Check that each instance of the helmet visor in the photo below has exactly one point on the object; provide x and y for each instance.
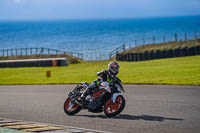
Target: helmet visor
(114, 68)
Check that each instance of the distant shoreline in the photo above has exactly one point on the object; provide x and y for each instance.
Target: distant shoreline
(90, 19)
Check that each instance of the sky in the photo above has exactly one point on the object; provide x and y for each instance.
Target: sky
(93, 9)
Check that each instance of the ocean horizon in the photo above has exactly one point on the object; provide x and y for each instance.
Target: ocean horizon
(95, 35)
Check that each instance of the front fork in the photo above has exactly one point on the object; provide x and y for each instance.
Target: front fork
(74, 98)
(114, 97)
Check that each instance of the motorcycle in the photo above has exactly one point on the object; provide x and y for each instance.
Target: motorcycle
(104, 98)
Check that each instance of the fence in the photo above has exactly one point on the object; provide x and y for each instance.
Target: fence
(164, 39)
(47, 51)
(154, 40)
(98, 56)
(36, 51)
(117, 50)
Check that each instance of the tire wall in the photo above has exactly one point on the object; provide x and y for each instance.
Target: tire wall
(158, 54)
(34, 63)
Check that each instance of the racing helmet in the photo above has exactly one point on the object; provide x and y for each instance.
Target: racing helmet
(113, 67)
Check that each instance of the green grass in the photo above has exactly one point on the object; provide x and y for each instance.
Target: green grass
(182, 71)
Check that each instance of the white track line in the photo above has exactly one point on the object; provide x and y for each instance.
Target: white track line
(70, 127)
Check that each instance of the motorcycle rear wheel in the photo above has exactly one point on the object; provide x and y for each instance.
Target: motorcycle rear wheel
(71, 108)
(113, 109)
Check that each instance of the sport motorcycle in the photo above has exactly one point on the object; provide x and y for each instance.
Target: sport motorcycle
(105, 98)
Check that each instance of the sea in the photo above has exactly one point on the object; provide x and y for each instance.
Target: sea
(95, 36)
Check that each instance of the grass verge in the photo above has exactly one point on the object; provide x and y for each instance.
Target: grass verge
(181, 71)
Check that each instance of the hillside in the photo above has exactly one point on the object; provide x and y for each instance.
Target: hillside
(164, 46)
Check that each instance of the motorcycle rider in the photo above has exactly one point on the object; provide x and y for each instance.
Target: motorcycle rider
(105, 75)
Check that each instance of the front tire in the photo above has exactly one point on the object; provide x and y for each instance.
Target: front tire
(71, 108)
(113, 109)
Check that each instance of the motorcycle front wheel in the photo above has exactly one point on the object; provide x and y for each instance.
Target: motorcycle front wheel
(113, 109)
(71, 108)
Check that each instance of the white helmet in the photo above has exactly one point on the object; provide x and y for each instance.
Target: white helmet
(113, 67)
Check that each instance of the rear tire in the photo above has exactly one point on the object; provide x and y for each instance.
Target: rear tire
(117, 107)
(75, 108)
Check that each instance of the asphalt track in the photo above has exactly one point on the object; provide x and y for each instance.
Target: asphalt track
(149, 108)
